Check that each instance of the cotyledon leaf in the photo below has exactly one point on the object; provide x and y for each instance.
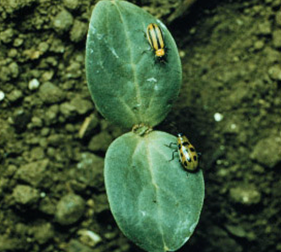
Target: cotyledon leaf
(127, 83)
(156, 203)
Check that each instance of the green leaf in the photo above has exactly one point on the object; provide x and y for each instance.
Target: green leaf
(127, 83)
(156, 203)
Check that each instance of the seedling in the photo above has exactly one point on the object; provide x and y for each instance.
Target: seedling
(153, 201)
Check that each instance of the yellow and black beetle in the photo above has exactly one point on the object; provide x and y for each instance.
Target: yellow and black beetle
(156, 40)
(188, 156)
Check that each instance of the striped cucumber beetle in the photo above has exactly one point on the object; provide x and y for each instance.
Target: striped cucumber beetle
(155, 38)
(188, 156)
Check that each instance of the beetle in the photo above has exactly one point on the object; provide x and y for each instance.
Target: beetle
(188, 156)
(155, 38)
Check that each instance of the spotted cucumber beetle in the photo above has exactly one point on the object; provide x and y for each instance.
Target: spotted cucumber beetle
(155, 38)
(188, 156)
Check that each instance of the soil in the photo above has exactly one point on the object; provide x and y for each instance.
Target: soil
(51, 136)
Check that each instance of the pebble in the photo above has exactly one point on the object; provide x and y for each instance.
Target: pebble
(275, 72)
(78, 31)
(51, 115)
(258, 169)
(182, 54)
(67, 110)
(33, 84)
(258, 45)
(62, 21)
(55, 139)
(37, 153)
(15, 95)
(110, 235)
(218, 117)
(12, 53)
(89, 237)
(89, 170)
(47, 206)
(14, 70)
(32, 173)
(70, 128)
(267, 151)
(82, 106)
(276, 38)
(5, 74)
(47, 75)
(51, 152)
(57, 46)
(37, 122)
(236, 231)
(10, 171)
(71, 4)
(70, 209)
(25, 195)
(7, 36)
(73, 71)
(2, 95)
(50, 93)
(45, 131)
(246, 195)
(43, 232)
(264, 28)
(43, 47)
(18, 42)
(100, 142)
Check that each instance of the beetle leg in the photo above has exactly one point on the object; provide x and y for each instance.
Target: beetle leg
(173, 155)
(170, 145)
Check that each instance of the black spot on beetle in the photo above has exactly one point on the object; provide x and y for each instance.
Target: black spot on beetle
(185, 163)
(181, 154)
(179, 146)
(185, 143)
(194, 158)
(192, 149)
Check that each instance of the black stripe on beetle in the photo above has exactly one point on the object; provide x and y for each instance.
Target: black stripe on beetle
(156, 40)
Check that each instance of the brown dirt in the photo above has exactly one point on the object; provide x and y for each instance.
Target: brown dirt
(229, 107)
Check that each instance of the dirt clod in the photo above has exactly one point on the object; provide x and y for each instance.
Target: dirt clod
(62, 21)
(229, 107)
(70, 209)
(25, 195)
(245, 195)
